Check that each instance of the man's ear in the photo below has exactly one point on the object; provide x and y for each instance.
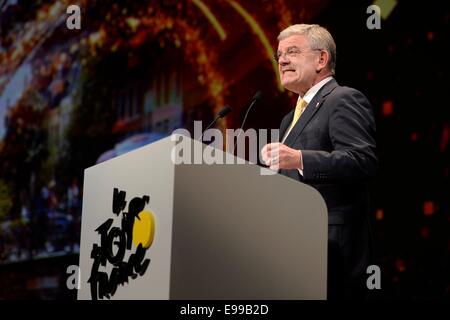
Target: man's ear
(323, 60)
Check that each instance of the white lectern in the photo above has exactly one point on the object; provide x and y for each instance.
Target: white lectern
(220, 231)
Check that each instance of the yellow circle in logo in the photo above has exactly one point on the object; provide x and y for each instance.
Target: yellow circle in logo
(144, 229)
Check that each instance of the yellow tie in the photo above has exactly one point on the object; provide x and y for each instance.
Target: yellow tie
(299, 108)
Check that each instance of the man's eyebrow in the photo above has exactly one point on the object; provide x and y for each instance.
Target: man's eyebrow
(289, 48)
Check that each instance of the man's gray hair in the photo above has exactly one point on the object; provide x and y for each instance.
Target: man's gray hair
(318, 38)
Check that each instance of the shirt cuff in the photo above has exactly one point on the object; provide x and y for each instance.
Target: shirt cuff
(301, 163)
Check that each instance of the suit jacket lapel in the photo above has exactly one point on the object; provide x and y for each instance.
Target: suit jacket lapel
(310, 110)
(285, 124)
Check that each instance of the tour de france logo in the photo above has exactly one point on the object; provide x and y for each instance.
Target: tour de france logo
(137, 230)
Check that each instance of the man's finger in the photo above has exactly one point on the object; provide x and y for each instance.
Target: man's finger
(273, 149)
(264, 149)
(264, 153)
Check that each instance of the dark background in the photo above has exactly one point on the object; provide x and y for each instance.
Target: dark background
(139, 69)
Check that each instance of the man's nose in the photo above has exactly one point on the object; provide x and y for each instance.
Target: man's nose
(283, 60)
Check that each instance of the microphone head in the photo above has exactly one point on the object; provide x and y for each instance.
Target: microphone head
(225, 110)
(257, 96)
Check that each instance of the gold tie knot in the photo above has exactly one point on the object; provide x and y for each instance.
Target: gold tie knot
(299, 108)
(301, 105)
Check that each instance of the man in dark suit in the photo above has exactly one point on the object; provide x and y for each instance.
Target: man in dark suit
(328, 142)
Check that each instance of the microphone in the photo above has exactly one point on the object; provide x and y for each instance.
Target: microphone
(255, 98)
(222, 113)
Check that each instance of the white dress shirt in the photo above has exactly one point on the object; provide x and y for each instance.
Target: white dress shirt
(309, 95)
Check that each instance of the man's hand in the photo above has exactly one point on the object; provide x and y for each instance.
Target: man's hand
(279, 156)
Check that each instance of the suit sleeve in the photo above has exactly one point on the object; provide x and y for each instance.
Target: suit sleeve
(352, 134)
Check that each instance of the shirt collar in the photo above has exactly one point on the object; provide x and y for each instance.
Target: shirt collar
(309, 95)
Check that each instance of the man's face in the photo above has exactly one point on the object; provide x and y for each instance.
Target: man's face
(297, 63)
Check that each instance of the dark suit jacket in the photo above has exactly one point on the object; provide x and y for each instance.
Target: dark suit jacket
(336, 134)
